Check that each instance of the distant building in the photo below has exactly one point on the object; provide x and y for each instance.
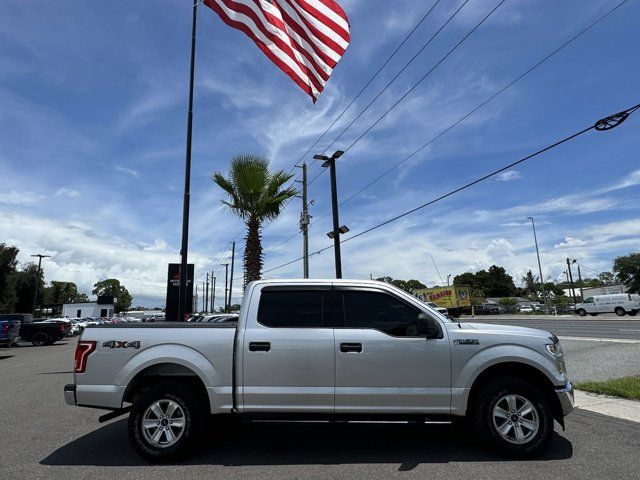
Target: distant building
(591, 291)
(103, 307)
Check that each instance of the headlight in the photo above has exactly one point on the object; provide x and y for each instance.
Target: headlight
(556, 351)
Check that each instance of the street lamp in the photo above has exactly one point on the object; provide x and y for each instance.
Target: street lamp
(330, 162)
(35, 295)
(448, 277)
(535, 239)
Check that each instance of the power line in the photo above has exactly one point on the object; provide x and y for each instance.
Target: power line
(482, 104)
(415, 85)
(451, 17)
(375, 75)
(604, 124)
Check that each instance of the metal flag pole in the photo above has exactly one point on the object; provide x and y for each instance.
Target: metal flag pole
(182, 307)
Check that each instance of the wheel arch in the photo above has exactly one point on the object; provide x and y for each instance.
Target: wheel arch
(522, 371)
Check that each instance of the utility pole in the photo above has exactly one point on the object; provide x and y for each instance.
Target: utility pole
(573, 289)
(213, 295)
(182, 304)
(195, 303)
(35, 294)
(203, 302)
(330, 162)
(448, 277)
(206, 296)
(535, 239)
(580, 280)
(304, 223)
(233, 257)
(226, 275)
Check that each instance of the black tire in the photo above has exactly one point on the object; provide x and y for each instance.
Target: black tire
(485, 425)
(593, 314)
(582, 312)
(633, 313)
(193, 419)
(620, 311)
(40, 338)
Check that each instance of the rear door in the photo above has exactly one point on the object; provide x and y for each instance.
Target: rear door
(288, 352)
(384, 363)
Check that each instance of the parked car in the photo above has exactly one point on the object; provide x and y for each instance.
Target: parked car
(10, 329)
(526, 309)
(438, 309)
(619, 303)
(38, 332)
(71, 328)
(487, 309)
(330, 348)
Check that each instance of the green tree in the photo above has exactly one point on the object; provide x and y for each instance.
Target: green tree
(63, 292)
(627, 270)
(112, 286)
(529, 282)
(255, 195)
(406, 285)
(23, 284)
(492, 283)
(609, 278)
(8, 263)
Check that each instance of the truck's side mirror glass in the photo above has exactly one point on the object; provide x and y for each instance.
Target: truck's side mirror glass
(428, 326)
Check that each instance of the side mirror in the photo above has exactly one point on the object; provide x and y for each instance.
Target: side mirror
(428, 326)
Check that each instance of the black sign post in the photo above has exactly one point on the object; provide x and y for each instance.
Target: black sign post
(172, 311)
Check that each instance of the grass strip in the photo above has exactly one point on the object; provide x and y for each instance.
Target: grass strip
(627, 387)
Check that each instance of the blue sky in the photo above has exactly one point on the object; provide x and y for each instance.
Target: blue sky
(92, 135)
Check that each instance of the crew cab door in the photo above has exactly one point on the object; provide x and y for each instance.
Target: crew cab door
(384, 363)
(288, 353)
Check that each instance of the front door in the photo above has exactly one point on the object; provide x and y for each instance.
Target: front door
(288, 358)
(383, 361)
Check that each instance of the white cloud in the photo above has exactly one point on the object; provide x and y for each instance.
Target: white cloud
(66, 192)
(20, 198)
(128, 171)
(570, 242)
(508, 176)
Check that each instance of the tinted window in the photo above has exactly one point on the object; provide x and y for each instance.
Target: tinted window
(291, 308)
(380, 311)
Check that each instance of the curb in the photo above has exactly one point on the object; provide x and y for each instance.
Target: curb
(608, 405)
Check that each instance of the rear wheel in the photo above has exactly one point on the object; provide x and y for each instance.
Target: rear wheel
(513, 416)
(620, 311)
(633, 313)
(593, 314)
(164, 421)
(40, 338)
(582, 312)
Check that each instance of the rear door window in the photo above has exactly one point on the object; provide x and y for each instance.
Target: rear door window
(292, 308)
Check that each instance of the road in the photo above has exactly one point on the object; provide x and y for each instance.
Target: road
(43, 438)
(602, 326)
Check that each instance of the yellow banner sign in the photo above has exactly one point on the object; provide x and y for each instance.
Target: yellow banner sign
(448, 297)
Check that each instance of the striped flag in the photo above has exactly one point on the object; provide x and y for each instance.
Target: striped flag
(304, 38)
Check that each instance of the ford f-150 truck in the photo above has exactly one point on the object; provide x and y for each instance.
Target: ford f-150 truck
(329, 349)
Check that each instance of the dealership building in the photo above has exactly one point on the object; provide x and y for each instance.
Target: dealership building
(103, 307)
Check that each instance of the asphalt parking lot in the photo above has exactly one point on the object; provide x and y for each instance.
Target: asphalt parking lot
(45, 438)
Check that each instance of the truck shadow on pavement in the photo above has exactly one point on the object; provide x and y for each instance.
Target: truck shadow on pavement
(250, 444)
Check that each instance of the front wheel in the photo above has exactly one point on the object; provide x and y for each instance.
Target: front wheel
(620, 311)
(164, 422)
(513, 417)
(582, 312)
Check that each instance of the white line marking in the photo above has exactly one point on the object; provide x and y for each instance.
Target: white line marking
(628, 330)
(610, 340)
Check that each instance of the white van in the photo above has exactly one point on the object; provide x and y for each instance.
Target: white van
(619, 303)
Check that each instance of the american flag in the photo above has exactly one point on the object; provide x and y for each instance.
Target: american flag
(304, 38)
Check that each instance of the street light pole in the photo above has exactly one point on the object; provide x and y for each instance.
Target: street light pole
(206, 296)
(233, 259)
(304, 224)
(337, 230)
(226, 276)
(535, 239)
(573, 289)
(448, 277)
(213, 295)
(35, 295)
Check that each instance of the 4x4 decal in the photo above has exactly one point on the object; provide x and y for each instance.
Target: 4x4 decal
(121, 344)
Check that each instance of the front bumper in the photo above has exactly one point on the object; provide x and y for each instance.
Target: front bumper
(566, 398)
(70, 394)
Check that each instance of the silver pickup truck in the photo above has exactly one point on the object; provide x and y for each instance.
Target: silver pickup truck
(324, 349)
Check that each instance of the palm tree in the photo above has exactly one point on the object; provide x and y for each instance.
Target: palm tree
(254, 194)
